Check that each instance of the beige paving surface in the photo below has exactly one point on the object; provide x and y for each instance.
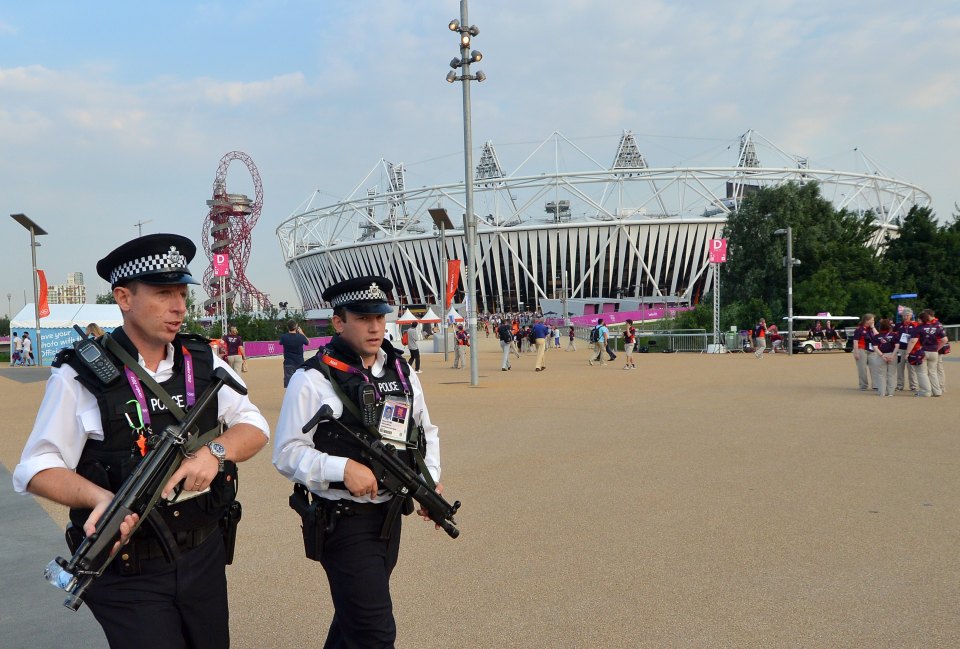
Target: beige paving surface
(699, 501)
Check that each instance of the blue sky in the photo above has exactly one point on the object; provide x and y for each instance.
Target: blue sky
(117, 112)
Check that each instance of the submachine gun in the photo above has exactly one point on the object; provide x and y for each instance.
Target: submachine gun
(137, 495)
(394, 474)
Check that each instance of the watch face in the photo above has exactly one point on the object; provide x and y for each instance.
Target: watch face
(218, 449)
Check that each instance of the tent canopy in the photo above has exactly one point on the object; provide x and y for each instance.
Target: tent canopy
(453, 316)
(429, 316)
(407, 317)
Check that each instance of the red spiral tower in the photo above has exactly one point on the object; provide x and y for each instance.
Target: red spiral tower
(228, 228)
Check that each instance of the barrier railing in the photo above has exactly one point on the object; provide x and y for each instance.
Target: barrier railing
(677, 340)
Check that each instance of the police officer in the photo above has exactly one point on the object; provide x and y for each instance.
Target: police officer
(359, 366)
(88, 437)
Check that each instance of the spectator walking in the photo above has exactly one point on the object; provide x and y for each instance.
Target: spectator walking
(556, 337)
(17, 350)
(629, 341)
(572, 335)
(601, 343)
(413, 344)
(539, 333)
(27, 351)
(505, 334)
(293, 343)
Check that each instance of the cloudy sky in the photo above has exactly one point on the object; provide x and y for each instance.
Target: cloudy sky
(114, 113)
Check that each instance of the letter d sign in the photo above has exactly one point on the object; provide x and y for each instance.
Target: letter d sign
(718, 251)
(221, 264)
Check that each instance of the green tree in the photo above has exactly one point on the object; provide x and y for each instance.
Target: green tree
(923, 259)
(106, 298)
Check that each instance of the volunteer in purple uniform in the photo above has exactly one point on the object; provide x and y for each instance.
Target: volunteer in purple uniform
(860, 351)
(883, 358)
(903, 366)
(234, 357)
(931, 337)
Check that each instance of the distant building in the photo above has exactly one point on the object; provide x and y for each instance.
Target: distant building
(73, 292)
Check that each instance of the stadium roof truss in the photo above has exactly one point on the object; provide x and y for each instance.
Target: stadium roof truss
(624, 230)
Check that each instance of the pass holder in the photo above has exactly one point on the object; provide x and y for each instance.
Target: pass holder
(393, 421)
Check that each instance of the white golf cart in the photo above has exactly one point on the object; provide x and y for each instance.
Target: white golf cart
(805, 343)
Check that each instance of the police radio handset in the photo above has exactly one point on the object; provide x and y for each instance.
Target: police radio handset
(368, 404)
(92, 355)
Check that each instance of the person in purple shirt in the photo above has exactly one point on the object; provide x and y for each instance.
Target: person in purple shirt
(293, 343)
(883, 358)
(930, 335)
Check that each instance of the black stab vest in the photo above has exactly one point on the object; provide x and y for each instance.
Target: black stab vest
(108, 462)
(328, 437)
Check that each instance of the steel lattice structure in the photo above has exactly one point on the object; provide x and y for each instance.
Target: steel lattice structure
(626, 230)
(228, 228)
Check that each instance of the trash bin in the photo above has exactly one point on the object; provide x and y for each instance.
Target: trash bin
(438, 341)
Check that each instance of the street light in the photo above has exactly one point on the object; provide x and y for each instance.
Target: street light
(789, 262)
(470, 218)
(35, 230)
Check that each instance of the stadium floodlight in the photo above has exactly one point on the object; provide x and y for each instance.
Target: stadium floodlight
(469, 217)
(480, 76)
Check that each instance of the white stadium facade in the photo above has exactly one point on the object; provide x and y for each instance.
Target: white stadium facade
(627, 230)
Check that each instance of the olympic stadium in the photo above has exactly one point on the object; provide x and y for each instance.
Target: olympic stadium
(622, 230)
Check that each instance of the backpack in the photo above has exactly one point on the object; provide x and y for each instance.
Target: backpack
(505, 334)
(595, 334)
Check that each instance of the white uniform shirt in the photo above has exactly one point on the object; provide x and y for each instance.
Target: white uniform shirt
(294, 454)
(69, 416)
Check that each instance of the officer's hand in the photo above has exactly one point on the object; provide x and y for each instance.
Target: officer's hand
(423, 513)
(196, 472)
(127, 526)
(360, 479)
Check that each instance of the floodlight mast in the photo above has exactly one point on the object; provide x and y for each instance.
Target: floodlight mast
(469, 218)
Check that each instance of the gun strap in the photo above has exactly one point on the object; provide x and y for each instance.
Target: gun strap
(195, 441)
(353, 410)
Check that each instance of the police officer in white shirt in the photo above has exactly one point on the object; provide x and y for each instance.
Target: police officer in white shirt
(362, 539)
(89, 436)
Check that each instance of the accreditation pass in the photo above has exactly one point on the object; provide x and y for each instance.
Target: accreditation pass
(393, 422)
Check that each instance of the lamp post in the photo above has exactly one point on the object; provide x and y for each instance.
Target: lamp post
(470, 218)
(789, 262)
(35, 230)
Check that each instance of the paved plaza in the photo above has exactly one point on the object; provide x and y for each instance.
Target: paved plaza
(698, 501)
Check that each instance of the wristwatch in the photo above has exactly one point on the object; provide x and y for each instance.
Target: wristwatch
(219, 452)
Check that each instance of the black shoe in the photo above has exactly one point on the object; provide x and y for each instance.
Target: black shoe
(503, 369)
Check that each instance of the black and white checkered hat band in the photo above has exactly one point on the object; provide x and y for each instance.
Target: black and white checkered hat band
(169, 262)
(371, 294)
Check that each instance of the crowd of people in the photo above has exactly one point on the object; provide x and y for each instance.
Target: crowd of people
(21, 352)
(901, 356)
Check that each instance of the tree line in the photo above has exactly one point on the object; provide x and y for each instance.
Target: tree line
(848, 264)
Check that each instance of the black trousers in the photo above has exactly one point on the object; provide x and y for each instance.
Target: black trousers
(415, 359)
(180, 605)
(358, 566)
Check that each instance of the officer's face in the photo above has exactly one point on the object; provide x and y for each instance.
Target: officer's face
(152, 315)
(363, 332)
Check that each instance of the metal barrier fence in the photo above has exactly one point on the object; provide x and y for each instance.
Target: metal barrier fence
(676, 340)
